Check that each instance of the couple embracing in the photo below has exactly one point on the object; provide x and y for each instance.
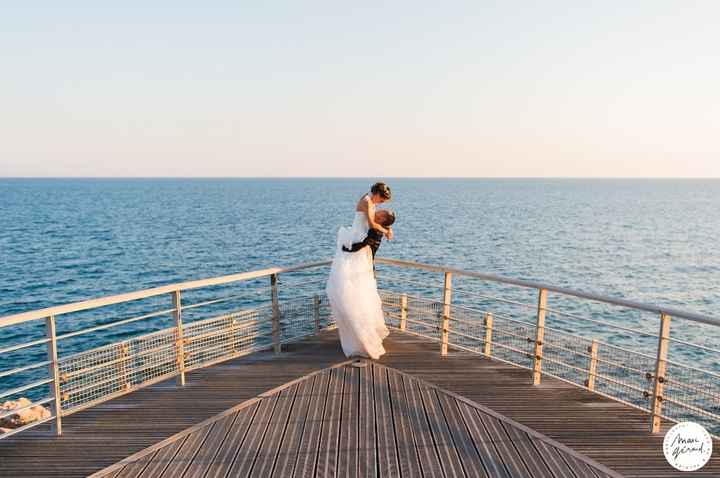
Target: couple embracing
(351, 288)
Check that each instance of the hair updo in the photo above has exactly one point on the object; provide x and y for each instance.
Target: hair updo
(382, 190)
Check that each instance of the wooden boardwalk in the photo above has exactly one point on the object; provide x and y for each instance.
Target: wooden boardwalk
(605, 431)
(358, 422)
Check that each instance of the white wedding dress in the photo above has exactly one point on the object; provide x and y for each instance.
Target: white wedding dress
(352, 292)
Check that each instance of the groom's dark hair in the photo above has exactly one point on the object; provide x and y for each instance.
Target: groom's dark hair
(389, 217)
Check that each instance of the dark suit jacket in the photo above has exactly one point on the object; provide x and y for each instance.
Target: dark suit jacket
(373, 239)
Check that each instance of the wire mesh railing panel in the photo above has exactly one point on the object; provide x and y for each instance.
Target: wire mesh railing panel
(424, 317)
(298, 319)
(226, 336)
(99, 373)
(391, 307)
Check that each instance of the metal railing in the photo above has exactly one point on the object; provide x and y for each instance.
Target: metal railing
(75, 356)
(230, 316)
(618, 348)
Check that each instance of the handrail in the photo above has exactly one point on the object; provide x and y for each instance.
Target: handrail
(675, 313)
(143, 294)
(197, 343)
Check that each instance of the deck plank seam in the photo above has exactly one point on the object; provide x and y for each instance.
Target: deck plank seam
(472, 439)
(284, 431)
(412, 428)
(245, 433)
(408, 453)
(418, 385)
(222, 442)
(298, 438)
(197, 450)
(505, 426)
(319, 437)
(450, 434)
(393, 420)
(526, 429)
(496, 445)
(340, 417)
(275, 399)
(169, 461)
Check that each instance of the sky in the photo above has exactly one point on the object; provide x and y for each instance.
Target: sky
(360, 89)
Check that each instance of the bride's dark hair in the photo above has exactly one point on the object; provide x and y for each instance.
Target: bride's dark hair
(382, 189)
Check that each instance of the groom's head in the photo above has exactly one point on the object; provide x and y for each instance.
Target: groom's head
(385, 217)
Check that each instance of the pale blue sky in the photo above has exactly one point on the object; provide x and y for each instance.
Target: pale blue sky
(391, 88)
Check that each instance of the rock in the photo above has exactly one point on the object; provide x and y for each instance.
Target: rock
(23, 417)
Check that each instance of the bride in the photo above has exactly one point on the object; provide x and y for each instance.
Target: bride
(351, 288)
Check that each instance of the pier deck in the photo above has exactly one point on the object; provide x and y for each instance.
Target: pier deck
(608, 432)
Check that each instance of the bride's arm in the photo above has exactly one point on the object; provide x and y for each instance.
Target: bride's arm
(370, 212)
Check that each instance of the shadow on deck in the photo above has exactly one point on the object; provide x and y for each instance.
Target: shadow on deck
(457, 436)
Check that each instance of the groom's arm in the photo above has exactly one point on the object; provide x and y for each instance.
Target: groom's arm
(356, 246)
(373, 240)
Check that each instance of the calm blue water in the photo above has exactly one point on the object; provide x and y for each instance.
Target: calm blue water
(650, 240)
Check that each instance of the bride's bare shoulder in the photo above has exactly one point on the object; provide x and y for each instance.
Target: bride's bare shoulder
(363, 204)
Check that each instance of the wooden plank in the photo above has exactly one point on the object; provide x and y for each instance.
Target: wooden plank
(429, 459)
(186, 453)
(330, 431)
(464, 445)
(508, 454)
(245, 459)
(206, 454)
(271, 444)
(233, 442)
(348, 465)
(287, 454)
(554, 461)
(367, 450)
(580, 468)
(483, 443)
(449, 458)
(162, 460)
(135, 469)
(99, 437)
(307, 454)
(407, 449)
(530, 455)
(387, 455)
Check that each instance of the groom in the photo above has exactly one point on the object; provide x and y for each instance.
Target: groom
(385, 218)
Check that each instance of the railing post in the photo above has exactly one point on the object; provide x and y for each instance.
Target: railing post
(122, 365)
(54, 371)
(231, 334)
(592, 372)
(316, 312)
(447, 291)
(488, 334)
(403, 311)
(275, 313)
(660, 369)
(179, 336)
(539, 337)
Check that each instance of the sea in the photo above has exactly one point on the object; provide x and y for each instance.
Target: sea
(648, 240)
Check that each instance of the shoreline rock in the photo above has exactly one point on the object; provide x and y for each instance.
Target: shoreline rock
(22, 417)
